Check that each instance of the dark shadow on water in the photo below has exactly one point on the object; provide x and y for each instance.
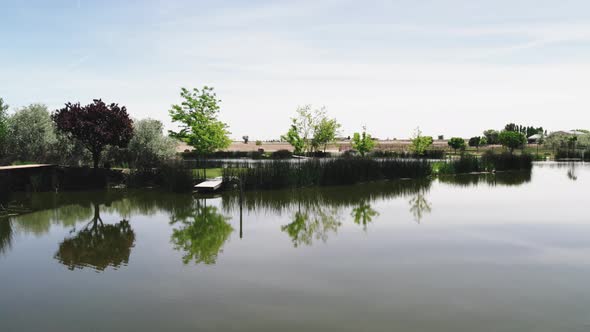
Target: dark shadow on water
(6, 234)
(492, 180)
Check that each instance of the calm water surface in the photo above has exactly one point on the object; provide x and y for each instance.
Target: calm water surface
(509, 252)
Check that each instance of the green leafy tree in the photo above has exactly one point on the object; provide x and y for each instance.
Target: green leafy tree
(512, 140)
(420, 143)
(302, 126)
(311, 130)
(149, 147)
(31, 134)
(457, 143)
(3, 126)
(293, 138)
(325, 133)
(362, 142)
(476, 142)
(492, 136)
(197, 119)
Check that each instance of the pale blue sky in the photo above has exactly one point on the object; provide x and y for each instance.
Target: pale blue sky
(451, 67)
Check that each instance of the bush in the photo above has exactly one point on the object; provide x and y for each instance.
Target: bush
(282, 154)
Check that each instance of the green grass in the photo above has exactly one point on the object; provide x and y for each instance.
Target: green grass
(211, 172)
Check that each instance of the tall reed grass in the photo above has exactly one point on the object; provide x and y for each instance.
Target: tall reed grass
(337, 171)
(488, 162)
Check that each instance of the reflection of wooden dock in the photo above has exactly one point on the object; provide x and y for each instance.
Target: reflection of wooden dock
(210, 185)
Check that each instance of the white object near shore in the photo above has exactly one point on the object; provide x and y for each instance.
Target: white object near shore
(210, 185)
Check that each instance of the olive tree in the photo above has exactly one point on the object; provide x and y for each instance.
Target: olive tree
(30, 134)
(149, 147)
(3, 125)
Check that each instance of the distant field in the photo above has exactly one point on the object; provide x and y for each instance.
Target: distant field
(398, 145)
(391, 145)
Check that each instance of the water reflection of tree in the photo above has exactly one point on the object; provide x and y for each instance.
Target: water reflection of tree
(363, 214)
(200, 233)
(419, 206)
(571, 172)
(311, 224)
(497, 179)
(6, 234)
(98, 245)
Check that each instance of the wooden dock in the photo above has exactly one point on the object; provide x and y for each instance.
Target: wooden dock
(210, 185)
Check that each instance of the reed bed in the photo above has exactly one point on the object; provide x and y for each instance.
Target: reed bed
(488, 162)
(337, 171)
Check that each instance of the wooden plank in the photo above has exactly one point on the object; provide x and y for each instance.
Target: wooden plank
(210, 184)
(8, 168)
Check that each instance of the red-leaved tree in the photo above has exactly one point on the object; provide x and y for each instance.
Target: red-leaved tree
(95, 125)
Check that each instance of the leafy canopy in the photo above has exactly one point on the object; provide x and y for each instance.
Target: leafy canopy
(3, 124)
(457, 143)
(30, 134)
(95, 126)
(420, 143)
(149, 147)
(197, 119)
(477, 141)
(492, 136)
(293, 138)
(311, 130)
(362, 142)
(512, 140)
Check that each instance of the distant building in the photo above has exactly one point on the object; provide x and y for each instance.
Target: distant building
(569, 132)
(535, 139)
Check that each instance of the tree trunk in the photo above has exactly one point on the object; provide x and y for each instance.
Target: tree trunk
(95, 158)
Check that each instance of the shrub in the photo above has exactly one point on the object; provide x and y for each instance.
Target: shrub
(282, 154)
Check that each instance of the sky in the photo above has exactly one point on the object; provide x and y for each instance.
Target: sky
(452, 67)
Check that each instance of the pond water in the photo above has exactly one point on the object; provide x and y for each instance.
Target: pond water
(505, 252)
